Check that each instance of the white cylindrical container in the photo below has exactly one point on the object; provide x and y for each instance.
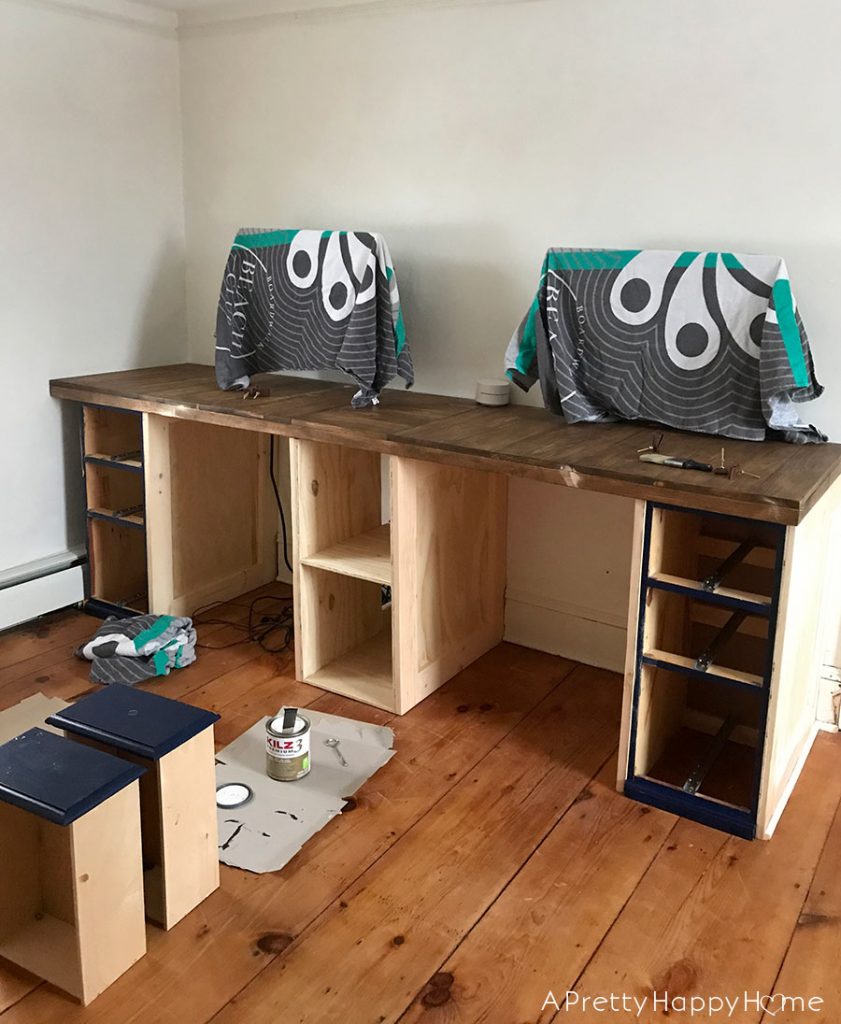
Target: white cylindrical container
(287, 746)
(493, 391)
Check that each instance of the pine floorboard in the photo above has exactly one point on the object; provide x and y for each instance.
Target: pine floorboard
(489, 864)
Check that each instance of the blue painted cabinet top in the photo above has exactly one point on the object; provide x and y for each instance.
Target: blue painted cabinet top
(137, 721)
(58, 779)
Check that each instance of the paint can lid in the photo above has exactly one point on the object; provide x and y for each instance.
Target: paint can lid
(233, 794)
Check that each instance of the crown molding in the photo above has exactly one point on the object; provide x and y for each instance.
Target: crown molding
(124, 12)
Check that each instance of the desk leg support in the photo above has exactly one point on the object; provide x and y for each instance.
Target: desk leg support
(798, 651)
(211, 520)
(631, 644)
(449, 551)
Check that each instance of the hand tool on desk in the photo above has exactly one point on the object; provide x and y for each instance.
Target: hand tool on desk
(675, 461)
(651, 454)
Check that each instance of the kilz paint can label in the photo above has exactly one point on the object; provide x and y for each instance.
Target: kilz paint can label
(287, 746)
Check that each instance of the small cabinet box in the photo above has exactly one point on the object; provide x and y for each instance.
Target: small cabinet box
(173, 741)
(71, 880)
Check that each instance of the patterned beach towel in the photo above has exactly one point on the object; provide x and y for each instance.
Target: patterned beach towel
(703, 341)
(139, 647)
(311, 300)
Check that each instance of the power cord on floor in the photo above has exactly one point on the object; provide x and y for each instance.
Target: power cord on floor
(256, 630)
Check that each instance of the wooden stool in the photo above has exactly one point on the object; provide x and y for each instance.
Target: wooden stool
(71, 876)
(174, 741)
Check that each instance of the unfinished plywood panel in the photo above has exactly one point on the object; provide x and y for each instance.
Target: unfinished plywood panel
(108, 891)
(797, 657)
(210, 513)
(73, 904)
(448, 549)
(631, 643)
(188, 827)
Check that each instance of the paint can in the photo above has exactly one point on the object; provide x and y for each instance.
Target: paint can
(287, 746)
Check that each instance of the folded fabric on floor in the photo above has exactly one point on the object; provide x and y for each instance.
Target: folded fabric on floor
(127, 651)
(311, 300)
(703, 341)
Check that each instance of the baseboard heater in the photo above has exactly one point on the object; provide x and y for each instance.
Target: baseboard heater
(41, 586)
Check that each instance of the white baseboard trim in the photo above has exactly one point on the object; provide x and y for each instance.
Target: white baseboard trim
(829, 697)
(588, 635)
(32, 597)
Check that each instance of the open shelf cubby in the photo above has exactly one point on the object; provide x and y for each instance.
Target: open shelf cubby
(698, 737)
(726, 559)
(112, 444)
(344, 561)
(113, 435)
(117, 565)
(349, 649)
(696, 637)
(115, 493)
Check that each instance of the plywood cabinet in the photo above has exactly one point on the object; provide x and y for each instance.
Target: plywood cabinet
(386, 612)
(723, 663)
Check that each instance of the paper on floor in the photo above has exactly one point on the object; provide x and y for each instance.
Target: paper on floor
(264, 834)
(28, 714)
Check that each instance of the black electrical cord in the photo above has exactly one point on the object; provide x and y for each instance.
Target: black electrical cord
(259, 632)
(255, 631)
(279, 503)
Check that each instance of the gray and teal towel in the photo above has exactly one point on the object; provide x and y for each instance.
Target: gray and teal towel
(704, 341)
(311, 300)
(140, 647)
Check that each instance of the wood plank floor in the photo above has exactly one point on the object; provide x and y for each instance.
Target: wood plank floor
(486, 872)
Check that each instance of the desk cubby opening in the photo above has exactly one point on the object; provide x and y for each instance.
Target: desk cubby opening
(728, 558)
(341, 525)
(698, 737)
(113, 435)
(117, 564)
(111, 491)
(345, 639)
(699, 637)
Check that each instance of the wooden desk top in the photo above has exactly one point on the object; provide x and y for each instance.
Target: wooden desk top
(516, 440)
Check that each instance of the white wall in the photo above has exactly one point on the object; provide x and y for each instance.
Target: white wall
(476, 136)
(91, 225)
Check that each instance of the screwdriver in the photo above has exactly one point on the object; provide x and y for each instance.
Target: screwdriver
(676, 462)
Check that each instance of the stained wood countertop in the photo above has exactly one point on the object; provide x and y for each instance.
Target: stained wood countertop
(515, 439)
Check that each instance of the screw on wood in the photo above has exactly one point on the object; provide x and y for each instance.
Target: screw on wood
(656, 441)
